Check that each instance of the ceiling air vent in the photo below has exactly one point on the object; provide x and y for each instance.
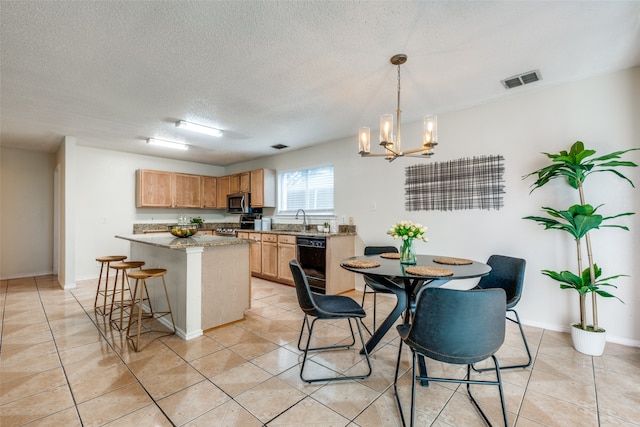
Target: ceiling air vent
(521, 79)
(279, 146)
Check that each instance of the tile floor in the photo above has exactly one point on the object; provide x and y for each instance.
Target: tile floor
(61, 365)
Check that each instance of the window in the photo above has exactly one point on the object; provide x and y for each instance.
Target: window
(308, 189)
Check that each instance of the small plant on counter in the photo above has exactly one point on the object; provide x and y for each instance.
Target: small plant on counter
(197, 220)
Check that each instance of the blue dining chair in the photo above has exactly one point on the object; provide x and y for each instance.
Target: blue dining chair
(374, 286)
(507, 273)
(460, 327)
(325, 307)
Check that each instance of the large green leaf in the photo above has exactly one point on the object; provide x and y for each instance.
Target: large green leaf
(576, 165)
(582, 284)
(578, 220)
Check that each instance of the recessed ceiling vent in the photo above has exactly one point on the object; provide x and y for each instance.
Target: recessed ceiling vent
(279, 146)
(521, 79)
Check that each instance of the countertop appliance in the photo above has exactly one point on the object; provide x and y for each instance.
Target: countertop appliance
(248, 221)
(239, 203)
(312, 256)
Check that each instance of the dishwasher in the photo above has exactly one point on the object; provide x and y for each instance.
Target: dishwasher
(312, 256)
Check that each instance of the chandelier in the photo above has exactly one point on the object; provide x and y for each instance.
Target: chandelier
(391, 142)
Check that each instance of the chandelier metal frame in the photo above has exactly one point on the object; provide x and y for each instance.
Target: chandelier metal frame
(391, 143)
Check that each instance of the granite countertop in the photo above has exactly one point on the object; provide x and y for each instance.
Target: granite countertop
(167, 240)
(291, 229)
(303, 233)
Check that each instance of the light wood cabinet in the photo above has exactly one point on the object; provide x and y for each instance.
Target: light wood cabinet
(153, 189)
(270, 255)
(338, 279)
(209, 186)
(256, 253)
(161, 189)
(263, 188)
(286, 252)
(240, 183)
(223, 191)
(245, 182)
(234, 183)
(186, 190)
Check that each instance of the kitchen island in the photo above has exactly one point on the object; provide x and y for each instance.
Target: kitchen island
(208, 277)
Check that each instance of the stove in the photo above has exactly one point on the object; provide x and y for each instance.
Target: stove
(230, 232)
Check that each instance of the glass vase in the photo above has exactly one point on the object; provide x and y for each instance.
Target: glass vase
(407, 254)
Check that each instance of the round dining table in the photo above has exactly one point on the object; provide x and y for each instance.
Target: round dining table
(405, 285)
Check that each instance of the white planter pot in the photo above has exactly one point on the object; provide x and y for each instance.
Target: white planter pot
(588, 342)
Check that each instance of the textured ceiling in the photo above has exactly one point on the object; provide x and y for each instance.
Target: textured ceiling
(113, 74)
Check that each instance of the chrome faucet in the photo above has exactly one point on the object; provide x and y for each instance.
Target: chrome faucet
(304, 219)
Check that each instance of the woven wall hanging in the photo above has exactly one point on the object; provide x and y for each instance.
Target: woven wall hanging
(468, 183)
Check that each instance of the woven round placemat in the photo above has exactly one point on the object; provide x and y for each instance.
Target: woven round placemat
(429, 271)
(361, 263)
(390, 255)
(452, 261)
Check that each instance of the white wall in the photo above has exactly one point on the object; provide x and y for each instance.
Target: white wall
(602, 112)
(106, 204)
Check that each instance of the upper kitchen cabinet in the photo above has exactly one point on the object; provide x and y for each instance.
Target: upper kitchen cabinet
(186, 192)
(153, 189)
(223, 190)
(263, 188)
(160, 189)
(209, 186)
(239, 183)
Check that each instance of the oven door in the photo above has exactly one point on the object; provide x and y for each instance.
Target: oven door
(312, 257)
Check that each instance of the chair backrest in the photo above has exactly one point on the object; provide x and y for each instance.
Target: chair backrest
(506, 273)
(303, 291)
(377, 250)
(458, 326)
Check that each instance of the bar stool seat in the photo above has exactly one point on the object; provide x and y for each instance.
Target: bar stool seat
(120, 306)
(104, 291)
(134, 328)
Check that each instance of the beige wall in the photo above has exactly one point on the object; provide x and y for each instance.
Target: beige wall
(26, 212)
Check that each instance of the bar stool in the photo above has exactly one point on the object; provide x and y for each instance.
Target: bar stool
(136, 315)
(121, 269)
(102, 309)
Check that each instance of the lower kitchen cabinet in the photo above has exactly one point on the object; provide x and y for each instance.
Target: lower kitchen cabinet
(272, 252)
(270, 256)
(286, 252)
(256, 253)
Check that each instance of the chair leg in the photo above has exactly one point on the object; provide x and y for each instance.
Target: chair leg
(524, 339)
(364, 294)
(526, 346)
(498, 382)
(468, 381)
(395, 384)
(306, 350)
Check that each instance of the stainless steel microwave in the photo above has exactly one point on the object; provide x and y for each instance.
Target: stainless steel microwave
(239, 203)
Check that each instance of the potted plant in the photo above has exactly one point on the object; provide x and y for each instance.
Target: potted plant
(578, 220)
(197, 220)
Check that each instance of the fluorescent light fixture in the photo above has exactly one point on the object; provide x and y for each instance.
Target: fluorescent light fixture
(198, 128)
(167, 144)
